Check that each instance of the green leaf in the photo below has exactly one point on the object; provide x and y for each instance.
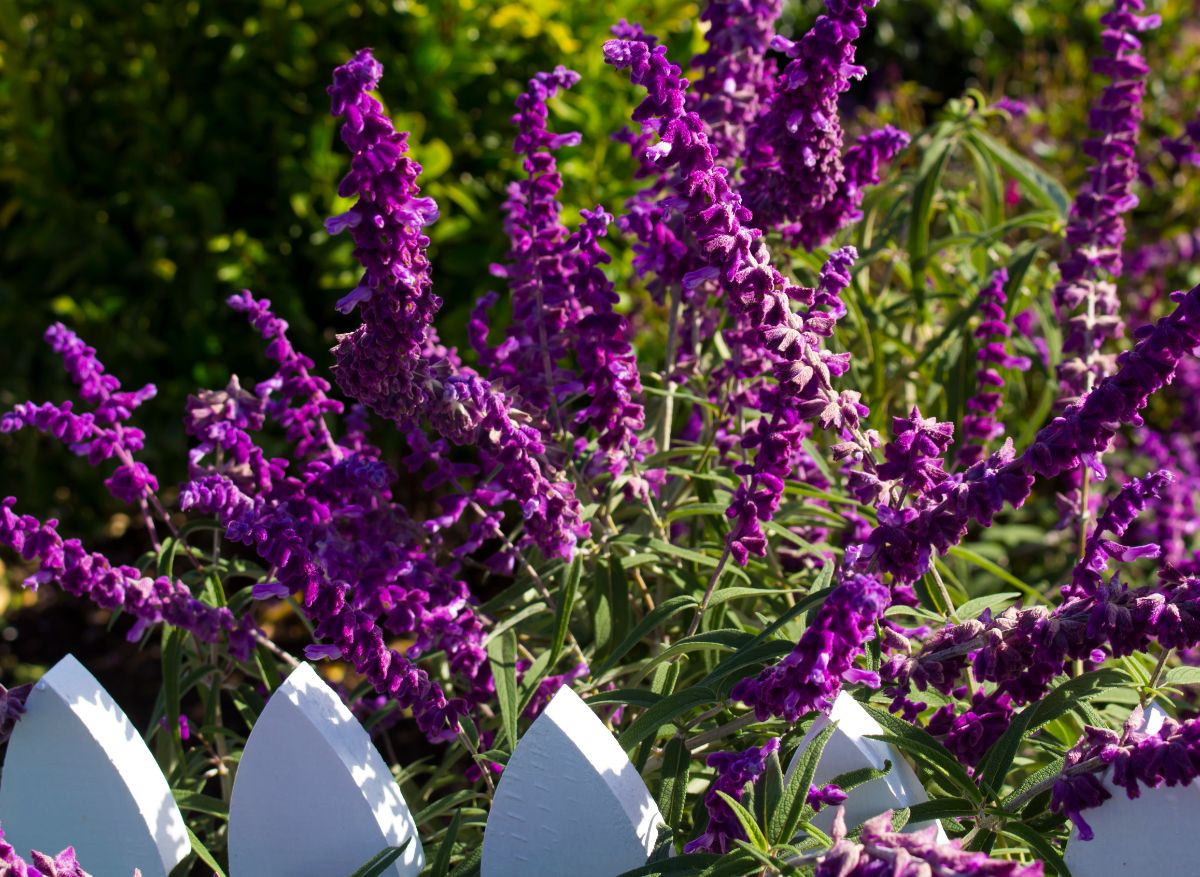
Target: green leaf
(203, 854)
(533, 677)
(999, 757)
(381, 861)
(661, 613)
(929, 177)
(1051, 770)
(502, 653)
(726, 594)
(747, 822)
(1039, 843)
(793, 800)
(975, 608)
(566, 602)
(1033, 180)
(925, 749)
(646, 725)
(1000, 572)
(441, 862)
(632, 696)
(198, 803)
(770, 791)
(1182, 676)
(685, 864)
(942, 808)
(172, 662)
(672, 791)
(852, 779)
(470, 865)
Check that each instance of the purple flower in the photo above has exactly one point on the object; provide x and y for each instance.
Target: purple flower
(757, 294)
(1085, 298)
(392, 362)
(1170, 756)
(1132, 500)
(100, 434)
(881, 851)
(293, 396)
(1157, 257)
(734, 771)
(914, 457)
(12, 707)
(810, 677)
(737, 74)
(794, 171)
(607, 362)
(903, 542)
(969, 735)
(90, 575)
(1185, 148)
(530, 362)
(980, 425)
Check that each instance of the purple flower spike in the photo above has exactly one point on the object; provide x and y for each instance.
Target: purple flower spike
(913, 458)
(980, 425)
(544, 310)
(737, 74)
(98, 435)
(12, 707)
(1086, 298)
(810, 677)
(1170, 757)
(734, 771)
(88, 574)
(795, 176)
(607, 361)
(881, 851)
(756, 292)
(392, 363)
(903, 542)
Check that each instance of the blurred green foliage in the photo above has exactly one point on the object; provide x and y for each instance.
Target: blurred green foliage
(157, 156)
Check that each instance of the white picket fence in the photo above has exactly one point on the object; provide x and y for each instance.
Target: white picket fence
(312, 796)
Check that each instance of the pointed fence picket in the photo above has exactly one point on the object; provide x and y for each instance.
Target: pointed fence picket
(78, 774)
(1154, 834)
(850, 747)
(569, 801)
(313, 796)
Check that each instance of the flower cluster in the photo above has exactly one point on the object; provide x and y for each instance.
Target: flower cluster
(794, 171)
(810, 677)
(1185, 148)
(1021, 651)
(880, 850)
(1086, 296)
(1138, 757)
(913, 459)
(902, 542)
(737, 74)
(100, 434)
(90, 575)
(756, 292)
(292, 382)
(607, 361)
(332, 533)
(980, 425)
(529, 362)
(12, 707)
(734, 771)
(391, 363)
